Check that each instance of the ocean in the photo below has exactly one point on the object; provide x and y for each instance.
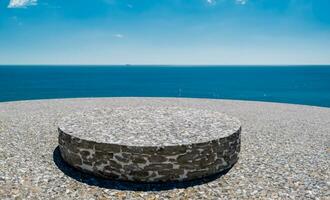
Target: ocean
(309, 85)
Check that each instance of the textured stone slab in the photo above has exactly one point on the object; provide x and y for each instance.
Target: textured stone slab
(150, 143)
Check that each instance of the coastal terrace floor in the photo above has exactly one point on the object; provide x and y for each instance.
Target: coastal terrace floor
(285, 153)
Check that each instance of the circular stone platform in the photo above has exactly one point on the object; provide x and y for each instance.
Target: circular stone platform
(150, 143)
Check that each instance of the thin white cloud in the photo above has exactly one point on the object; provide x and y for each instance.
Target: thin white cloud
(21, 3)
(118, 35)
(241, 2)
(211, 2)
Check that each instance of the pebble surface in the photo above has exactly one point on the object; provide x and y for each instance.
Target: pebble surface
(149, 125)
(285, 153)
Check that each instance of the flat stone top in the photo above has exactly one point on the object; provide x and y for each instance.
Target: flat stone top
(149, 125)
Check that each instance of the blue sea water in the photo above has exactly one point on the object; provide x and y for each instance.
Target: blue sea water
(308, 85)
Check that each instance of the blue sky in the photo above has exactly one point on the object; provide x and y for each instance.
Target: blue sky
(165, 32)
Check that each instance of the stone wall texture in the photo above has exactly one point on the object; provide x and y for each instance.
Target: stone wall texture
(150, 163)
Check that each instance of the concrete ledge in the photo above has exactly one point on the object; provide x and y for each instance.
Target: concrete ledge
(150, 144)
(278, 158)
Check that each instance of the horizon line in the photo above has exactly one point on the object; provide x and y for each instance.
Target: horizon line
(150, 65)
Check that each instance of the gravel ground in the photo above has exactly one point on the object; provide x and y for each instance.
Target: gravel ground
(285, 154)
